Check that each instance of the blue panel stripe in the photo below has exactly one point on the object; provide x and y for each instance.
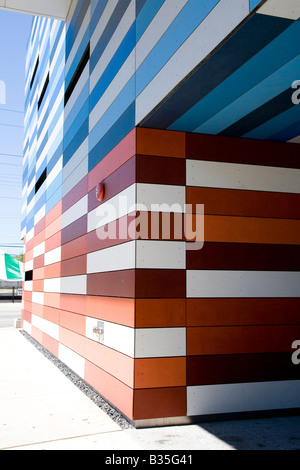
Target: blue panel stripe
(254, 3)
(182, 27)
(252, 99)
(276, 124)
(82, 116)
(115, 134)
(114, 66)
(145, 14)
(266, 62)
(81, 100)
(97, 8)
(224, 62)
(78, 57)
(108, 32)
(77, 18)
(75, 143)
(122, 102)
(262, 114)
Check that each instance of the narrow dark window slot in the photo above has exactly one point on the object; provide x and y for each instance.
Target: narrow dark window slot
(77, 74)
(34, 72)
(41, 180)
(29, 276)
(43, 91)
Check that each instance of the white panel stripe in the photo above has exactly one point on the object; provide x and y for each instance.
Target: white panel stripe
(233, 398)
(73, 360)
(160, 342)
(118, 337)
(206, 284)
(247, 177)
(51, 329)
(160, 254)
(75, 212)
(115, 258)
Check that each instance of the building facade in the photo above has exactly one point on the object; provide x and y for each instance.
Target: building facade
(161, 203)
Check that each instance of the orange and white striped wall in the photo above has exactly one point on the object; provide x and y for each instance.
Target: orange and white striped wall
(185, 333)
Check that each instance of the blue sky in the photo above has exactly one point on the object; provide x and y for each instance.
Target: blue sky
(14, 35)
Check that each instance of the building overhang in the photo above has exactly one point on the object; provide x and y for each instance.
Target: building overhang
(289, 9)
(55, 9)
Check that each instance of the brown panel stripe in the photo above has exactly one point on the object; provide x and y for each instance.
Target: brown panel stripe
(159, 313)
(159, 170)
(110, 388)
(116, 158)
(160, 372)
(121, 179)
(245, 256)
(245, 203)
(112, 234)
(74, 248)
(252, 230)
(168, 402)
(74, 230)
(112, 284)
(208, 370)
(74, 266)
(240, 339)
(77, 193)
(238, 150)
(160, 142)
(160, 283)
(225, 312)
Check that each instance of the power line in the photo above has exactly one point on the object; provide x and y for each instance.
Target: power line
(12, 111)
(11, 125)
(10, 155)
(12, 198)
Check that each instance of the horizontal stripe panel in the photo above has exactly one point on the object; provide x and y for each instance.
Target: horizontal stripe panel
(244, 256)
(118, 337)
(236, 398)
(109, 387)
(230, 149)
(170, 401)
(118, 206)
(116, 258)
(244, 203)
(160, 283)
(252, 230)
(249, 177)
(75, 212)
(208, 370)
(73, 360)
(241, 339)
(112, 284)
(160, 372)
(242, 311)
(160, 342)
(51, 329)
(157, 254)
(242, 284)
(227, 17)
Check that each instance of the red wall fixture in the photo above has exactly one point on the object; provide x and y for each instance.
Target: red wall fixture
(100, 191)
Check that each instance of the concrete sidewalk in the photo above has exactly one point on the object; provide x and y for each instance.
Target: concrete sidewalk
(40, 409)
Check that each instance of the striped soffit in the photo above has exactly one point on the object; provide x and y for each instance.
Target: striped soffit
(54, 9)
(248, 87)
(289, 9)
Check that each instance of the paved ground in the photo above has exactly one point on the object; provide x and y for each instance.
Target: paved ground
(9, 312)
(41, 409)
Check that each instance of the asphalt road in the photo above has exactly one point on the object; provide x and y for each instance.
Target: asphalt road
(9, 312)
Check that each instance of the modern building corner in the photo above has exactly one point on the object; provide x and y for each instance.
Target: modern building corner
(161, 215)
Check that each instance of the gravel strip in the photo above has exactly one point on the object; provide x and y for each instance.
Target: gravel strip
(89, 391)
